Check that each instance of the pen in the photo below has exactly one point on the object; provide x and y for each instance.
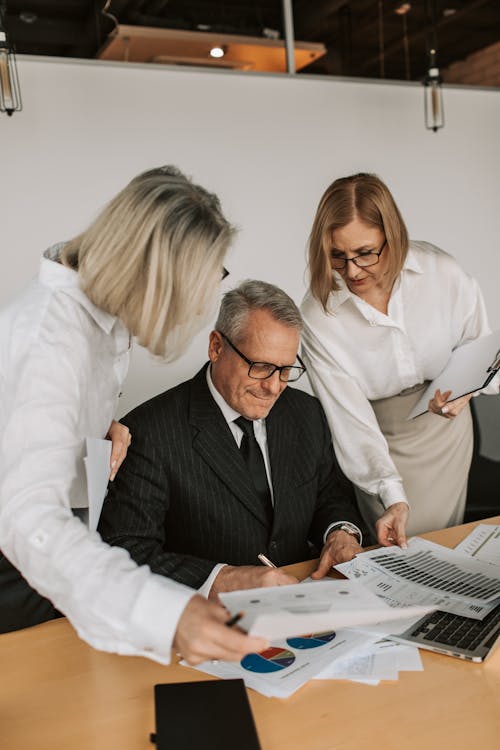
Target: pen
(234, 619)
(266, 561)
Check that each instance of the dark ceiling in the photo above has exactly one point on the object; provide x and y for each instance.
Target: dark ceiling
(365, 38)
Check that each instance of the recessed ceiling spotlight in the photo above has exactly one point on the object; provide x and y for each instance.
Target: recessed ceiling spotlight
(402, 8)
(26, 16)
(217, 52)
(447, 12)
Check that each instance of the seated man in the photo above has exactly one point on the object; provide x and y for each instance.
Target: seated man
(233, 463)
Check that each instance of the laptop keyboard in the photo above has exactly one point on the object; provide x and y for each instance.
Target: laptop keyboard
(455, 630)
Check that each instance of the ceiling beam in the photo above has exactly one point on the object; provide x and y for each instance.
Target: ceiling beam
(310, 18)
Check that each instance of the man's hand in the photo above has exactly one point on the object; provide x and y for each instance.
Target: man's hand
(339, 547)
(202, 634)
(392, 524)
(445, 408)
(236, 577)
(120, 440)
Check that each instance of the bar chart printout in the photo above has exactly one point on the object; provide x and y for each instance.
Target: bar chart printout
(427, 573)
(483, 543)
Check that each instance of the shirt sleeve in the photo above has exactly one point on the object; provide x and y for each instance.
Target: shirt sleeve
(360, 447)
(113, 604)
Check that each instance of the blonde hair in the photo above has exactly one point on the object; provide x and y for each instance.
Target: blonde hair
(153, 258)
(363, 196)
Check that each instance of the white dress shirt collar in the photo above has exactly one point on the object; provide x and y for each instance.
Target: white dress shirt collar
(336, 299)
(228, 412)
(54, 275)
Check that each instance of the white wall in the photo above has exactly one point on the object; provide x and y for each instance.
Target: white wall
(268, 145)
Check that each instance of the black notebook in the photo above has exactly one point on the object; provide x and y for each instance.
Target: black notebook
(213, 715)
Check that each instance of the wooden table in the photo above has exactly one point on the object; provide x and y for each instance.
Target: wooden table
(57, 693)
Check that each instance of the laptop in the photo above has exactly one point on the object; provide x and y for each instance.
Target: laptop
(454, 635)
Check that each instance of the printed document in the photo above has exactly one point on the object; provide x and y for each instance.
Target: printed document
(288, 664)
(427, 574)
(283, 611)
(97, 470)
(483, 543)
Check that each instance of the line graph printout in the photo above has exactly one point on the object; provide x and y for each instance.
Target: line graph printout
(483, 543)
(428, 574)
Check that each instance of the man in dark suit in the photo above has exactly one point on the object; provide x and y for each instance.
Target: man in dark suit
(203, 492)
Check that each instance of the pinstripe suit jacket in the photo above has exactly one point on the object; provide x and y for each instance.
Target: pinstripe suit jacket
(183, 500)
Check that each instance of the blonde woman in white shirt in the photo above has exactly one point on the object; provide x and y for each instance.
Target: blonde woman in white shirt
(382, 316)
(148, 266)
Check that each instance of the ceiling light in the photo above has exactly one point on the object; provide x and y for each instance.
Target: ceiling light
(217, 52)
(434, 112)
(402, 8)
(26, 16)
(10, 95)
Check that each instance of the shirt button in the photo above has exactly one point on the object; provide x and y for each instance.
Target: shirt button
(39, 538)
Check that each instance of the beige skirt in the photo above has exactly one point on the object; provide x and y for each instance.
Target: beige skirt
(433, 457)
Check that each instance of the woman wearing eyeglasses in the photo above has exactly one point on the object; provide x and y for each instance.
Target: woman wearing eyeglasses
(382, 316)
(148, 266)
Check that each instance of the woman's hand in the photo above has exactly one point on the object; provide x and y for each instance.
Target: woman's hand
(391, 526)
(120, 440)
(448, 409)
(202, 634)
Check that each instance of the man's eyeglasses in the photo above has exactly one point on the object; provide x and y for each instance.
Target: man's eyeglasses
(264, 370)
(363, 260)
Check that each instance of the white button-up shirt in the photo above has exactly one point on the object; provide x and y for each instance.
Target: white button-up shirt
(356, 354)
(62, 363)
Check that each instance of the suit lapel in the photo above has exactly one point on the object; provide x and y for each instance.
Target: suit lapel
(214, 442)
(282, 442)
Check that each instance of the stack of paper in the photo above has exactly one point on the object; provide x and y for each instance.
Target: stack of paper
(286, 665)
(378, 661)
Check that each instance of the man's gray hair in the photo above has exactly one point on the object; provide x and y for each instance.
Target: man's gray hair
(253, 295)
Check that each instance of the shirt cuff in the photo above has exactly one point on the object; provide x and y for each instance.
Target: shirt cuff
(337, 525)
(205, 589)
(155, 616)
(392, 492)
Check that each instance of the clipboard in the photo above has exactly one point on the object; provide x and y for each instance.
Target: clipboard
(470, 368)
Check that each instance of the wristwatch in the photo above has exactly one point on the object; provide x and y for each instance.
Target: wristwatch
(351, 529)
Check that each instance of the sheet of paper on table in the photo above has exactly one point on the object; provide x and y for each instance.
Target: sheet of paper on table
(382, 660)
(283, 611)
(427, 574)
(483, 543)
(288, 664)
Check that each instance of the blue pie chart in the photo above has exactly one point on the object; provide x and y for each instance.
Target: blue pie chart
(273, 659)
(311, 640)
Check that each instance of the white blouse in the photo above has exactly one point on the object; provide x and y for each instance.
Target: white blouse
(356, 354)
(62, 363)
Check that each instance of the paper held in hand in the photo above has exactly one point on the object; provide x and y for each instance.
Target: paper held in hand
(284, 611)
(469, 369)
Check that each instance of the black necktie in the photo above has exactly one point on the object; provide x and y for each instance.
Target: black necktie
(254, 459)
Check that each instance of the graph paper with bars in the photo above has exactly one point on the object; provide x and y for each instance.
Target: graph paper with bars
(428, 574)
(426, 569)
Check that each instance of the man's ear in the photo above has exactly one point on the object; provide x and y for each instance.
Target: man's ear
(215, 344)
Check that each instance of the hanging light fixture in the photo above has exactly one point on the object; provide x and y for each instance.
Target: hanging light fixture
(433, 92)
(10, 95)
(434, 111)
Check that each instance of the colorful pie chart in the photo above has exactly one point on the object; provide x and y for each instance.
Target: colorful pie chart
(273, 659)
(311, 640)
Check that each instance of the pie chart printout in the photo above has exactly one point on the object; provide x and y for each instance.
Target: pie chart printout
(312, 640)
(273, 659)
